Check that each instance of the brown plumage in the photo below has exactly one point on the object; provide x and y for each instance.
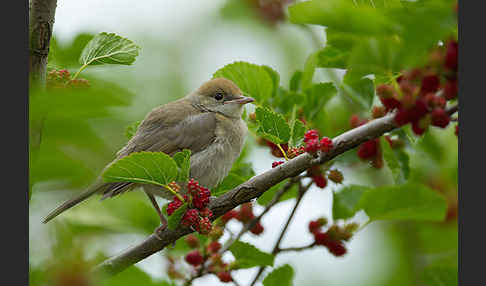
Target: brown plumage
(207, 122)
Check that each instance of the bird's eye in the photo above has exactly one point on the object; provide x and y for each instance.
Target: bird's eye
(218, 96)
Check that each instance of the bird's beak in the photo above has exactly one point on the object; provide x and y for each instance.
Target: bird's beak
(241, 100)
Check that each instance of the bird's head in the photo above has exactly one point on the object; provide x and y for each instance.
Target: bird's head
(221, 95)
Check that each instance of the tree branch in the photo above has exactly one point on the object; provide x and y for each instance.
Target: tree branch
(41, 22)
(251, 189)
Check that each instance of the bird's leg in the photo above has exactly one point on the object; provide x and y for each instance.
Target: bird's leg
(163, 220)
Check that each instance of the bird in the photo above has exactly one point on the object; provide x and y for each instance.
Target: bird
(207, 121)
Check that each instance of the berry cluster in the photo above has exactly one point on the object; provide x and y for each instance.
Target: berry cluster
(333, 239)
(312, 143)
(62, 79)
(244, 214)
(208, 255)
(319, 176)
(420, 96)
(198, 214)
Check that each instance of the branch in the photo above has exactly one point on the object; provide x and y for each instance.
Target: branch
(41, 22)
(251, 189)
(299, 248)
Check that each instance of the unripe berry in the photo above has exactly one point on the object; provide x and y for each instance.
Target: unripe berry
(408, 88)
(440, 118)
(336, 176)
(277, 163)
(257, 228)
(216, 232)
(378, 111)
(174, 186)
(192, 241)
(225, 276)
(213, 247)
(205, 226)
(326, 144)
(320, 181)
(294, 152)
(194, 258)
(385, 90)
(354, 121)
(78, 83)
(252, 116)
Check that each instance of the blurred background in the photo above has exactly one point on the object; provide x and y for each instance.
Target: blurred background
(182, 44)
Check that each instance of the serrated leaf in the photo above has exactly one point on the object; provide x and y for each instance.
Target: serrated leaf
(297, 129)
(249, 256)
(360, 90)
(176, 217)
(252, 79)
(331, 57)
(309, 69)
(131, 129)
(143, 167)
(396, 160)
(406, 202)
(183, 161)
(281, 276)
(346, 202)
(317, 97)
(275, 78)
(109, 48)
(272, 126)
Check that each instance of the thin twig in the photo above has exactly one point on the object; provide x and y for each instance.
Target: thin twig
(276, 248)
(300, 248)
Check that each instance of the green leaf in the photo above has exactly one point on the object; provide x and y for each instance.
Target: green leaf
(440, 276)
(252, 79)
(331, 57)
(132, 129)
(281, 276)
(176, 217)
(297, 129)
(109, 48)
(143, 167)
(317, 97)
(249, 256)
(346, 202)
(405, 202)
(396, 162)
(275, 78)
(360, 90)
(295, 80)
(183, 161)
(309, 69)
(134, 276)
(272, 126)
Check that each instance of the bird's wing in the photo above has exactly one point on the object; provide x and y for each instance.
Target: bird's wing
(160, 131)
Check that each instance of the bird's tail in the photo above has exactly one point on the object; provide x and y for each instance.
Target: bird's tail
(74, 201)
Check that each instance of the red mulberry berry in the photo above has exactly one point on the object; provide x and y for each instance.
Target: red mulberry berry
(368, 149)
(246, 213)
(277, 163)
(321, 238)
(257, 228)
(206, 212)
(194, 258)
(440, 118)
(417, 129)
(172, 206)
(312, 146)
(320, 181)
(214, 247)
(311, 134)
(450, 89)
(205, 226)
(326, 144)
(229, 215)
(451, 55)
(314, 226)
(225, 276)
(201, 198)
(190, 218)
(336, 247)
(430, 83)
(378, 111)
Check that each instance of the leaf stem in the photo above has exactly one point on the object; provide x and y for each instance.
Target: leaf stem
(174, 193)
(283, 152)
(80, 70)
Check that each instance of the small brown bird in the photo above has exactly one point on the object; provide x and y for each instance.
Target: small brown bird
(207, 122)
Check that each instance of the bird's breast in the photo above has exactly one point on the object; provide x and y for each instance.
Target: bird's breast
(212, 164)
